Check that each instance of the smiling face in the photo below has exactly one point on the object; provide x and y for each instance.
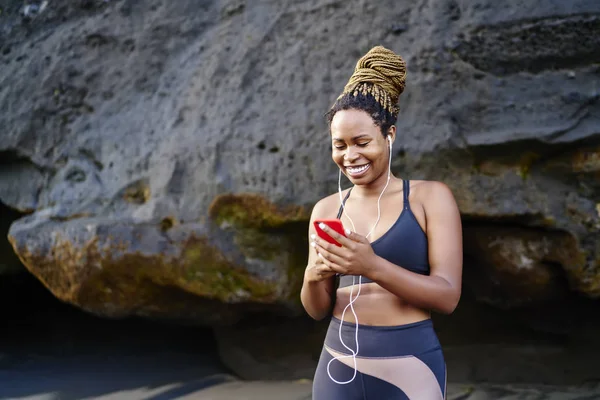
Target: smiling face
(358, 147)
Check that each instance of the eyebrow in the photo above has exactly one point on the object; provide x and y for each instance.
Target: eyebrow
(354, 138)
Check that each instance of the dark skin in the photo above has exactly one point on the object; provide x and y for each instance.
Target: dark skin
(397, 295)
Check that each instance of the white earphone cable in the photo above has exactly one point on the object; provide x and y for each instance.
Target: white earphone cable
(354, 353)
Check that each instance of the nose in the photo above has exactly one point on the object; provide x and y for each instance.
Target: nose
(351, 154)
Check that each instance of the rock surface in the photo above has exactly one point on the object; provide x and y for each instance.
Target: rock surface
(159, 143)
(272, 349)
(302, 391)
(481, 343)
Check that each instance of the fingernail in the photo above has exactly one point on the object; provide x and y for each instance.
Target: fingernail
(322, 225)
(313, 236)
(313, 244)
(320, 255)
(347, 231)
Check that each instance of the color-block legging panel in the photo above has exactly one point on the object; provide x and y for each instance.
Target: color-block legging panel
(395, 375)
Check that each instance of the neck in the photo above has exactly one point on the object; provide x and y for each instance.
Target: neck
(374, 188)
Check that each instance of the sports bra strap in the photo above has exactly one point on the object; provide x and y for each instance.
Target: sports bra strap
(406, 191)
(343, 203)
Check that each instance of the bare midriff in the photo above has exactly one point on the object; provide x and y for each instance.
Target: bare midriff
(376, 306)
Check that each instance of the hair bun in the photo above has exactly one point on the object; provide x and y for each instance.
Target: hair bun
(381, 73)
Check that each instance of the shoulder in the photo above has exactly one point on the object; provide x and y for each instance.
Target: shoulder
(430, 187)
(432, 193)
(328, 206)
(439, 205)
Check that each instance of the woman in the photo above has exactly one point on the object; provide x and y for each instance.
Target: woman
(400, 260)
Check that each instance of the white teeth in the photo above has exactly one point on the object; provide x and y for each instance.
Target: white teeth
(357, 170)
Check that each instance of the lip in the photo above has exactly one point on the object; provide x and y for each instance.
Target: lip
(358, 174)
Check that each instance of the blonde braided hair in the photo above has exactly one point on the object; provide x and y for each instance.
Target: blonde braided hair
(380, 73)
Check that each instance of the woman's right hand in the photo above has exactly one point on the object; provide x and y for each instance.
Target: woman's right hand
(317, 293)
(318, 271)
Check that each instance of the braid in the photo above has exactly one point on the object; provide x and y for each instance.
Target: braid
(380, 73)
(374, 87)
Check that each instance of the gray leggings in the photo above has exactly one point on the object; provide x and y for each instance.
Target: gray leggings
(393, 362)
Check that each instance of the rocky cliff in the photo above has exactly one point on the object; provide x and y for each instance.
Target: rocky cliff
(165, 155)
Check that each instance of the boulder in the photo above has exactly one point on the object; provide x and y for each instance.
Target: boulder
(168, 153)
(267, 348)
(167, 270)
(520, 267)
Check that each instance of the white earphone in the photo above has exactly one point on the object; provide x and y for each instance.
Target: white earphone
(354, 353)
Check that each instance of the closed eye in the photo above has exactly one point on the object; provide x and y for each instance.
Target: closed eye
(341, 146)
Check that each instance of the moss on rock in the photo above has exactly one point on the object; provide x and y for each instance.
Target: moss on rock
(266, 232)
(586, 160)
(527, 159)
(106, 277)
(251, 210)
(207, 271)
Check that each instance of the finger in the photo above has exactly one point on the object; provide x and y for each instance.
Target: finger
(334, 268)
(313, 244)
(339, 238)
(324, 270)
(325, 261)
(321, 269)
(355, 237)
(330, 257)
(319, 260)
(329, 264)
(331, 248)
(324, 257)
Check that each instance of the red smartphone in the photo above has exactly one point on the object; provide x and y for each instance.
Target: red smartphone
(334, 224)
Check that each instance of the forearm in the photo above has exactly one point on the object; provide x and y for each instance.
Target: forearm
(427, 292)
(316, 297)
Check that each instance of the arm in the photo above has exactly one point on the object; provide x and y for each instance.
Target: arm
(317, 287)
(440, 291)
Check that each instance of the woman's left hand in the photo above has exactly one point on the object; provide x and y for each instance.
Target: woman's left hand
(355, 257)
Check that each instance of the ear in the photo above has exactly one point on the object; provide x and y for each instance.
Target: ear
(392, 133)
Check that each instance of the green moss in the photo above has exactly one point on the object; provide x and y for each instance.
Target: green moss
(207, 271)
(252, 211)
(137, 193)
(254, 243)
(266, 232)
(157, 284)
(549, 221)
(525, 163)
